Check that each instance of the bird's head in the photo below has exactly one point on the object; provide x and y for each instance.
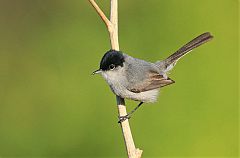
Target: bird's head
(112, 60)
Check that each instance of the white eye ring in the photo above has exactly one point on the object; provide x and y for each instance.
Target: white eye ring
(112, 66)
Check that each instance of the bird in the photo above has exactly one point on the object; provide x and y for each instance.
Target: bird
(140, 80)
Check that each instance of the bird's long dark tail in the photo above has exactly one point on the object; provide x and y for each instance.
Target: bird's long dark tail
(172, 59)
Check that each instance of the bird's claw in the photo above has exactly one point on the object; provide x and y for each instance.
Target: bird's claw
(123, 118)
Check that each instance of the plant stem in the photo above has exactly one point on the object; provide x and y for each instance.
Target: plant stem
(112, 26)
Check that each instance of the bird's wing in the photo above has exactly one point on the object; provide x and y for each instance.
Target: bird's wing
(153, 81)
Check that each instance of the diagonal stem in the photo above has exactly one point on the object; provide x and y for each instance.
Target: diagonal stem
(112, 26)
(101, 14)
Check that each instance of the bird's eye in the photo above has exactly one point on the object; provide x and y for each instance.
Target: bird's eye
(111, 67)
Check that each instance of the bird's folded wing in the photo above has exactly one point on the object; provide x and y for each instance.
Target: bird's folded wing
(154, 81)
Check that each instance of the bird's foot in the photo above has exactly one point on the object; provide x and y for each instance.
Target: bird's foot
(123, 118)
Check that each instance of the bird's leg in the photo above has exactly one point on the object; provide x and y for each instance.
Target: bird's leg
(128, 116)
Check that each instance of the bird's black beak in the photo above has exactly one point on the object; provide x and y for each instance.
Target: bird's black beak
(97, 72)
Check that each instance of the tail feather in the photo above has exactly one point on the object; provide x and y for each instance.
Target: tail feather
(172, 59)
(203, 38)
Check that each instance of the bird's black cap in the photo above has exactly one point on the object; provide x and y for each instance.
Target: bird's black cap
(111, 57)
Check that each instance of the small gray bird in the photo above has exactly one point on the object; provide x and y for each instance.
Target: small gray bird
(139, 80)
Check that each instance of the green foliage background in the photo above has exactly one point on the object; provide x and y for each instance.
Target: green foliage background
(50, 105)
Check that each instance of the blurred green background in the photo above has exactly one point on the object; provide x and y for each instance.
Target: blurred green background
(50, 105)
